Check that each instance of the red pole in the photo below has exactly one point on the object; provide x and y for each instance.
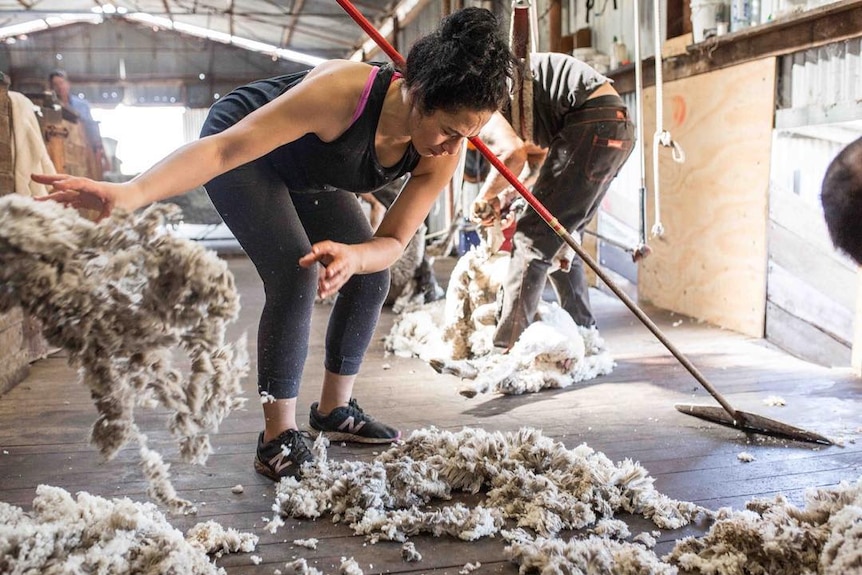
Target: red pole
(378, 38)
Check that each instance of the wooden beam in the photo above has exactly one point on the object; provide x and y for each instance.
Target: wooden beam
(294, 19)
(555, 24)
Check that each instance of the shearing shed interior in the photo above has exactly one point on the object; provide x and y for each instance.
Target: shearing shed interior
(708, 423)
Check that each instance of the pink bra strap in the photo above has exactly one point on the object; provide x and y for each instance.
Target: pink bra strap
(364, 99)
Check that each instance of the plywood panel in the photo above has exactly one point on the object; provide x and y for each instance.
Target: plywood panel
(711, 261)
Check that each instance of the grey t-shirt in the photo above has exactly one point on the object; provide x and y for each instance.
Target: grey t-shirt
(561, 84)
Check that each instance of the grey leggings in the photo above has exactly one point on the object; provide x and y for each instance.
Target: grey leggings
(275, 228)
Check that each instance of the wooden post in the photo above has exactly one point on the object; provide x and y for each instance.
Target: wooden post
(555, 23)
(55, 141)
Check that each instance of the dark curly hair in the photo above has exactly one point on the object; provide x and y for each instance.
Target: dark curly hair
(841, 196)
(465, 63)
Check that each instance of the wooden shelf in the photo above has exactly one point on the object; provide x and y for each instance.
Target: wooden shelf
(809, 29)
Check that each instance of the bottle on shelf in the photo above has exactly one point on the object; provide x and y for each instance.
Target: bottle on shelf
(619, 54)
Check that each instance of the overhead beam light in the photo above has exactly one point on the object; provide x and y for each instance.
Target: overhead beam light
(108, 9)
(403, 12)
(47, 23)
(223, 38)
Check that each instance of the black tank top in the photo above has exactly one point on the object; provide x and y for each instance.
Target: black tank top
(309, 164)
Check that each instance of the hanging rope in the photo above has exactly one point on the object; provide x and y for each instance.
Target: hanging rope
(642, 249)
(521, 43)
(661, 137)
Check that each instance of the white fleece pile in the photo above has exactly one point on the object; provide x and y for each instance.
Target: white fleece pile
(121, 297)
(534, 489)
(456, 336)
(588, 555)
(528, 479)
(775, 537)
(89, 534)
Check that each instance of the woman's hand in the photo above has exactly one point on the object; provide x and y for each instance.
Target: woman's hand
(338, 263)
(80, 193)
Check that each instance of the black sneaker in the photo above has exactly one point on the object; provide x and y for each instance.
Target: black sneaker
(283, 456)
(351, 424)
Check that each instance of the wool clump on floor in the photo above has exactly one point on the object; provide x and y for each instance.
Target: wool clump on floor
(455, 336)
(535, 489)
(120, 296)
(89, 534)
(590, 555)
(778, 538)
(528, 480)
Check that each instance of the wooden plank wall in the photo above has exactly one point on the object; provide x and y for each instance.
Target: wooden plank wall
(811, 291)
(711, 262)
(811, 295)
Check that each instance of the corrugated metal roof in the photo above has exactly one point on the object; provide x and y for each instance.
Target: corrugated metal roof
(155, 48)
(317, 27)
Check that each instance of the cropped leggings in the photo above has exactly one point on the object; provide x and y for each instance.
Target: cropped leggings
(275, 228)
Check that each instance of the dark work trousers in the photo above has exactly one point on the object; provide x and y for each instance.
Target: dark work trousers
(582, 160)
(275, 228)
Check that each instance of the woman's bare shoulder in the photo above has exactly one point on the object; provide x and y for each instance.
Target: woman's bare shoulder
(338, 82)
(344, 73)
(331, 91)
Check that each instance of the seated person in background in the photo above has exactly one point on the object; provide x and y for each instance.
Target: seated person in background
(59, 83)
(841, 195)
(582, 125)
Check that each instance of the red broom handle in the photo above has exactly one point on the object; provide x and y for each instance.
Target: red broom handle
(378, 38)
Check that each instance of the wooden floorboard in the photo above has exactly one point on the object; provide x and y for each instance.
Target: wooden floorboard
(44, 424)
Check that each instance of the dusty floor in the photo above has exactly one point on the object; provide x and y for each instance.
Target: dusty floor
(629, 414)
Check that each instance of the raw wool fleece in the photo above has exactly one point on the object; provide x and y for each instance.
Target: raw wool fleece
(529, 480)
(776, 538)
(95, 535)
(456, 336)
(120, 296)
(590, 555)
(539, 488)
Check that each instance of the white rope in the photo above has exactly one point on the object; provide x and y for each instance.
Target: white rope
(534, 29)
(661, 137)
(639, 119)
